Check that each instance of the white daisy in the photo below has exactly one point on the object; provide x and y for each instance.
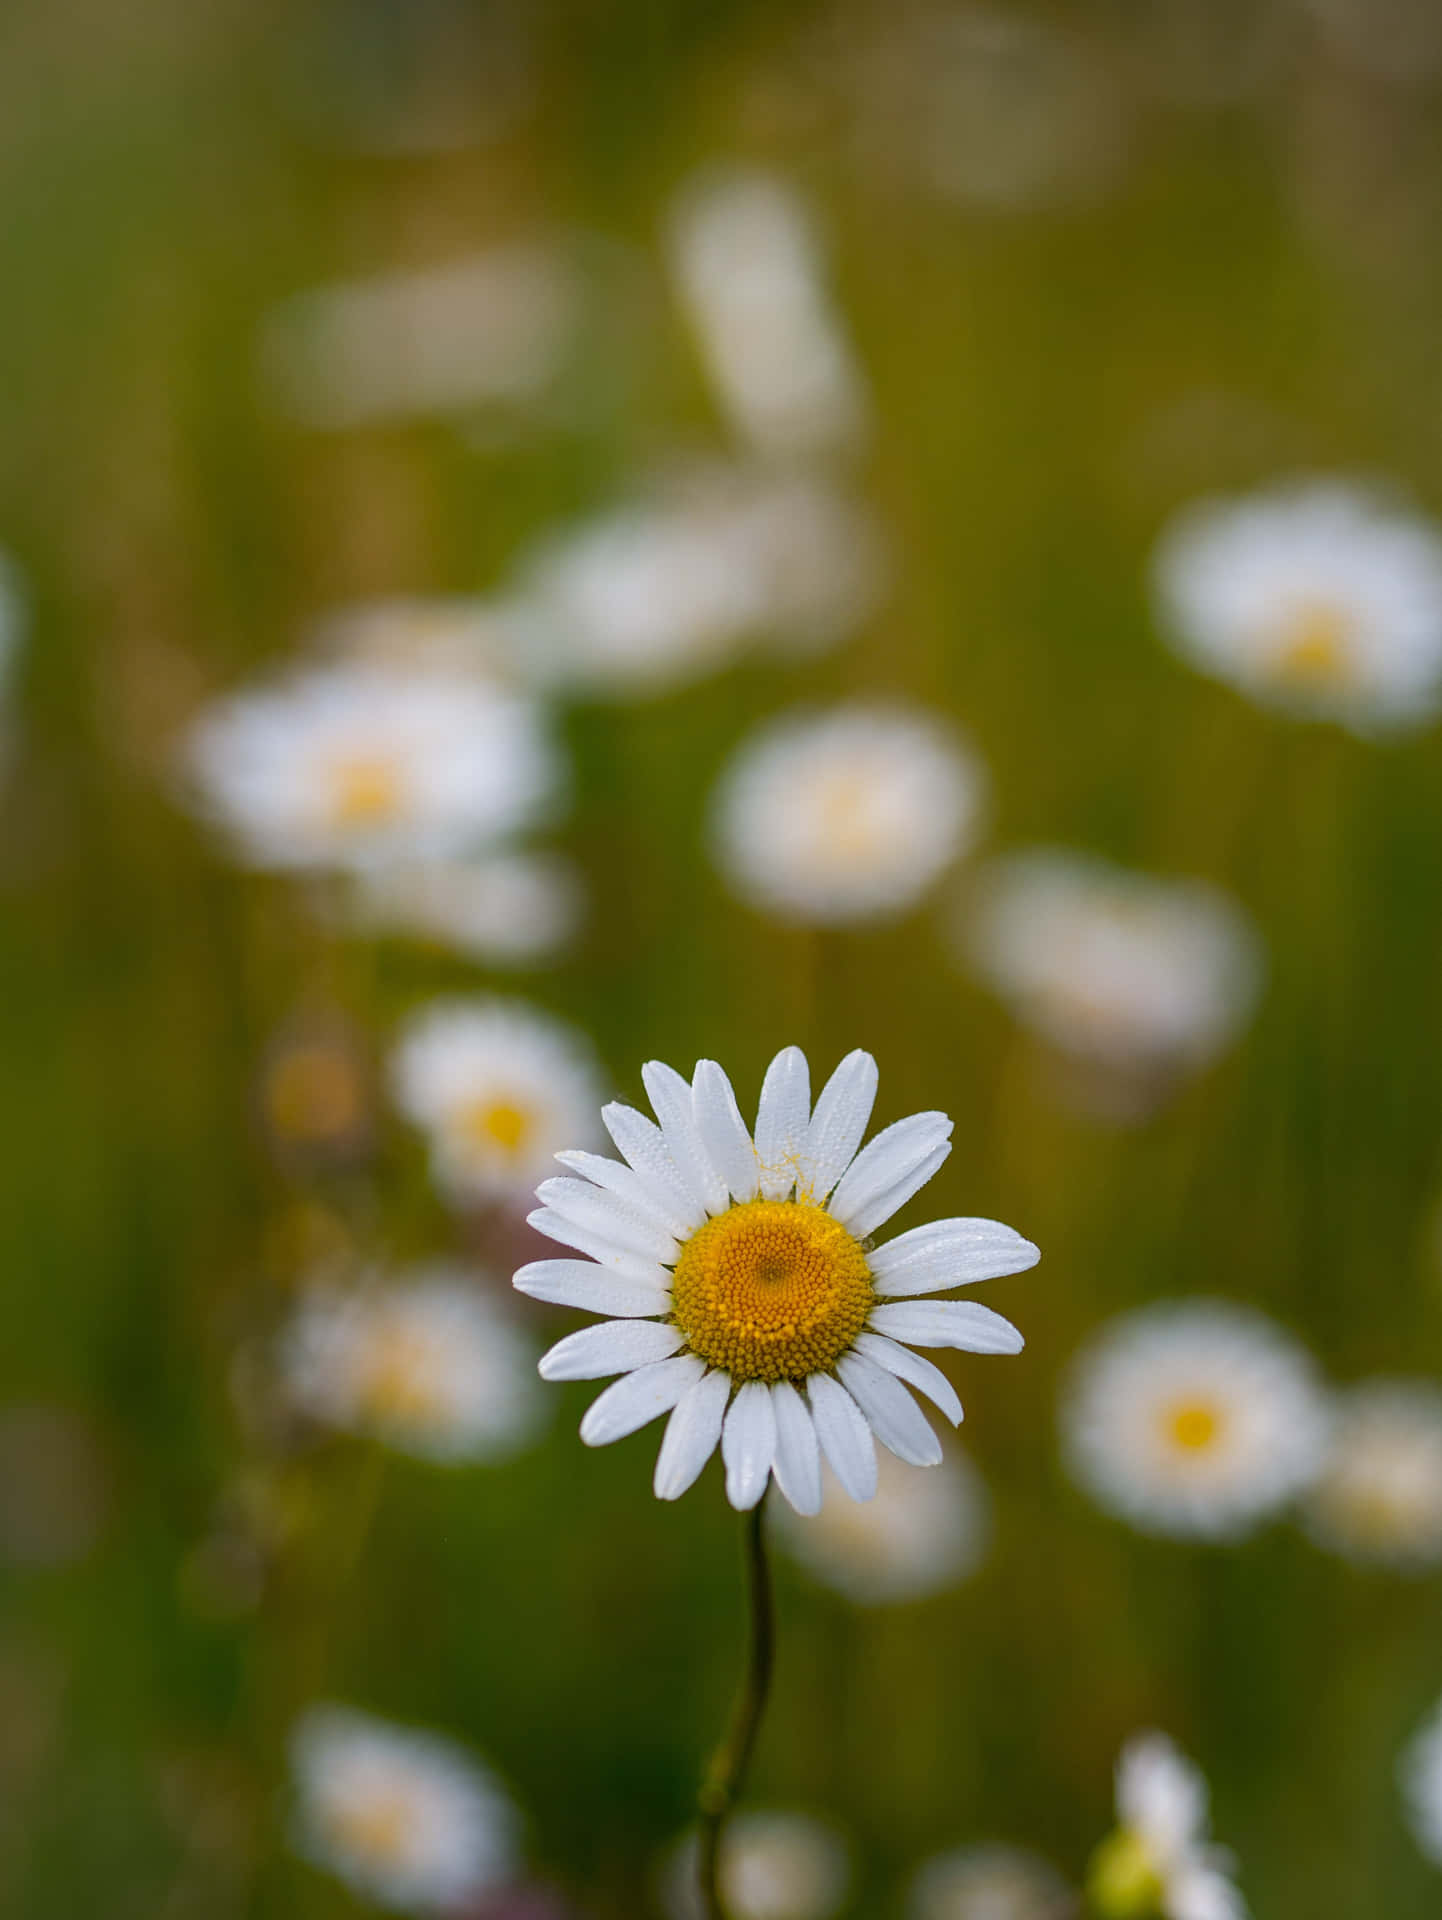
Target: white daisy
(428, 1365)
(819, 556)
(989, 1883)
(922, 1533)
(509, 909)
(1114, 967)
(1379, 1497)
(488, 329)
(407, 1818)
(746, 260)
(774, 1866)
(1420, 1774)
(845, 815)
(1322, 599)
(1159, 1860)
(1194, 1418)
(351, 766)
(499, 1088)
(748, 1303)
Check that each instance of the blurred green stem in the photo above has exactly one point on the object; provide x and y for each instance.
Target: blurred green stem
(727, 1772)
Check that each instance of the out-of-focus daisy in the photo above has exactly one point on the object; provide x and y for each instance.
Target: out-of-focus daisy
(428, 1365)
(1379, 1497)
(774, 1866)
(819, 557)
(1322, 599)
(510, 909)
(989, 1883)
(405, 1817)
(747, 1300)
(448, 634)
(1159, 1861)
(1112, 967)
(745, 256)
(315, 1093)
(492, 328)
(499, 1088)
(923, 1532)
(1420, 1774)
(351, 766)
(845, 815)
(1194, 1418)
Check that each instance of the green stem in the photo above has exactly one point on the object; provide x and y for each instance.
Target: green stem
(727, 1772)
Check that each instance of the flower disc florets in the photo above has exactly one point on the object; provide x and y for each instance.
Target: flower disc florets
(771, 1290)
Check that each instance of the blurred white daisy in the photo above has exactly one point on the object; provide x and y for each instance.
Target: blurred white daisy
(490, 328)
(438, 633)
(428, 1365)
(509, 909)
(1112, 967)
(1194, 1418)
(845, 815)
(407, 1818)
(350, 766)
(1322, 599)
(989, 1883)
(747, 1301)
(498, 1088)
(746, 259)
(1420, 1774)
(1379, 1497)
(1159, 1861)
(774, 1866)
(922, 1533)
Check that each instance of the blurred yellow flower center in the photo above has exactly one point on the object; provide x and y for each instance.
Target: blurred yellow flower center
(846, 817)
(497, 1123)
(377, 1829)
(771, 1290)
(1316, 650)
(314, 1094)
(1122, 1880)
(1193, 1425)
(401, 1378)
(366, 792)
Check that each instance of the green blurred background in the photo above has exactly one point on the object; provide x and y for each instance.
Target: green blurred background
(1233, 274)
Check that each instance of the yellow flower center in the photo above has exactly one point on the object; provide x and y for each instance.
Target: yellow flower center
(1193, 1425)
(1122, 1881)
(314, 1094)
(401, 1380)
(771, 1290)
(1316, 650)
(377, 1829)
(846, 817)
(366, 792)
(499, 1124)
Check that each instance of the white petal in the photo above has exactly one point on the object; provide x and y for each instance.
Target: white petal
(844, 1435)
(798, 1461)
(639, 1397)
(609, 1215)
(877, 1212)
(748, 1445)
(671, 1208)
(895, 1152)
(915, 1371)
(641, 1142)
(895, 1418)
(949, 1253)
(691, 1435)
(783, 1116)
(615, 1346)
(947, 1323)
(598, 1246)
(842, 1111)
(670, 1095)
(581, 1283)
(723, 1131)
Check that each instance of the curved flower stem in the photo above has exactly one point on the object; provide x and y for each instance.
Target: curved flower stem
(727, 1772)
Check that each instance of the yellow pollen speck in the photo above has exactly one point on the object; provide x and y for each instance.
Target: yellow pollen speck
(1193, 1425)
(366, 792)
(1315, 651)
(497, 1123)
(771, 1290)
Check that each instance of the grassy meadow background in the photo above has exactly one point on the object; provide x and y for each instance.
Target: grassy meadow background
(1235, 276)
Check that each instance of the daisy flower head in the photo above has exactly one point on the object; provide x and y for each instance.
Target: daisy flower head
(509, 909)
(1379, 1497)
(1196, 1419)
(774, 1866)
(428, 1365)
(348, 766)
(405, 1817)
(1323, 599)
(989, 1883)
(921, 1534)
(1420, 1774)
(498, 1088)
(1114, 969)
(1159, 1860)
(846, 815)
(746, 1299)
